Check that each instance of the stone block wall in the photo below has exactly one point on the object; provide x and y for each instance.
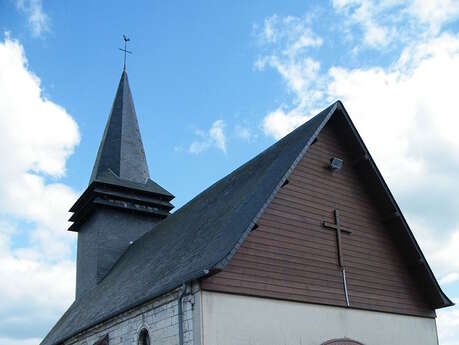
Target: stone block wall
(159, 317)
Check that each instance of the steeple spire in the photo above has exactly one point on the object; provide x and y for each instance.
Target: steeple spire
(121, 150)
(121, 202)
(121, 157)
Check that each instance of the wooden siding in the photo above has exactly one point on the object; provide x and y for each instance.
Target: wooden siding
(291, 256)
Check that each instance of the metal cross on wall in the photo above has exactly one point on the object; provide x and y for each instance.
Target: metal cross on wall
(339, 229)
(126, 40)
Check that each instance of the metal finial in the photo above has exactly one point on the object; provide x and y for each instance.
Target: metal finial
(126, 40)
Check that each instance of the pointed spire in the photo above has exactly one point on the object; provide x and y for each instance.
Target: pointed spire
(121, 150)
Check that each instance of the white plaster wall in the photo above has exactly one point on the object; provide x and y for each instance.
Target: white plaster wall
(159, 317)
(240, 320)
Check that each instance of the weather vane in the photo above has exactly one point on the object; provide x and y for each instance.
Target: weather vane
(126, 40)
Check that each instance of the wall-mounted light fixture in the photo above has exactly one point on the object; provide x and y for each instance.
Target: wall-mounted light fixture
(335, 163)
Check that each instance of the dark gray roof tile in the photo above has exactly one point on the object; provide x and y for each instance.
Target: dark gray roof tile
(193, 239)
(203, 234)
(121, 156)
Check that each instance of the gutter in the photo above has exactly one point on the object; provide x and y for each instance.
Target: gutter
(180, 311)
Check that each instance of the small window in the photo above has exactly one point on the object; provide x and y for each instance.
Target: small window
(144, 337)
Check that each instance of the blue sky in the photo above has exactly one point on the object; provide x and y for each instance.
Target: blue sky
(215, 83)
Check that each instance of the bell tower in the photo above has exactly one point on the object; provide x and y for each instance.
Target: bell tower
(121, 202)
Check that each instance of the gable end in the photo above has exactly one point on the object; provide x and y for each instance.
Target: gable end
(414, 290)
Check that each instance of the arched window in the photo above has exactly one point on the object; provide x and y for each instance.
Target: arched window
(144, 337)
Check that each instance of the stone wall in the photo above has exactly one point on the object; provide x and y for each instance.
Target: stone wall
(158, 316)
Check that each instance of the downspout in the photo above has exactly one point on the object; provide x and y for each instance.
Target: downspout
(180, 312)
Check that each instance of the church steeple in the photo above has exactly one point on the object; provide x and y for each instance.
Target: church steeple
(121, 202)
(121, 150)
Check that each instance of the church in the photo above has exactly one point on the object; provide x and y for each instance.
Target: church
(302, 245)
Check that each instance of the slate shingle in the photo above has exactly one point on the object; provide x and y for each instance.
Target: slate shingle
(121, 157)
(201, 235)
(193, 239)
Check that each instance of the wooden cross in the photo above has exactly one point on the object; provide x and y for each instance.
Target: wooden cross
(126, 40)
(338, 228)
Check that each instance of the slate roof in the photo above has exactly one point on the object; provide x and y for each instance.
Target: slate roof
(121, 157)
(193, 239)
(200, 236)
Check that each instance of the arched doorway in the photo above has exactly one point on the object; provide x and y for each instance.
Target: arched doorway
(342, 341)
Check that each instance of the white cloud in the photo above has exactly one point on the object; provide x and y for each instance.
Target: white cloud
(294, 30)
(25, 312)
(435, 13)
(37, 18)
(214, 137)
(38, 136)
(288, 41)
(372, 18)
(450, 278)
(280, 122)
(375, 34)
(384, 22)
(12, 341)
(245, 133)
(401, 107)
(440, 246)
(448, 324)
(269, 33)
(299, 74)
(217, 135)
